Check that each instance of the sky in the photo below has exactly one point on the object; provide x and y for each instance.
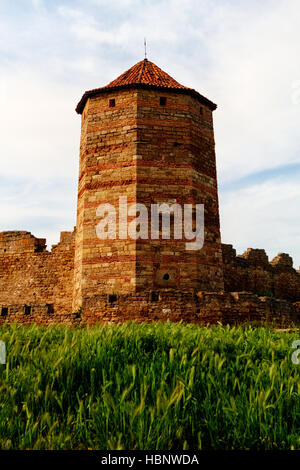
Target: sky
(242, 54)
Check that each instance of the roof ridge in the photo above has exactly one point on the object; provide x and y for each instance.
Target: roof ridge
(141, 71)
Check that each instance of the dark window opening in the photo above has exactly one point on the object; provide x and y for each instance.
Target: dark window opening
(4, 311)
(201, 110)
(27, 310)
(166, 277)
(154, 296)
(177, 144)
(112, 103)
(50, 308)
(163, 101)
(112, 298)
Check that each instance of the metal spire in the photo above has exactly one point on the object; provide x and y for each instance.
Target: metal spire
(145, 45)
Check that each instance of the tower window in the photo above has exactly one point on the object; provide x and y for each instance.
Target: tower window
(112, 103)
(166, 277)
(163, 101)
(201, 110)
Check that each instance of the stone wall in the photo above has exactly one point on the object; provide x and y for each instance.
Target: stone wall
(40, 314)
(20, 242)
(36, 286)
(29, 274)
(252, 272)
(204, 308)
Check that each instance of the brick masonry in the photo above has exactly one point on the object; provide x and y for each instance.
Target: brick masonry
(253, 272)
(151, 154)
(188, 306)
(29, 274)
(146, 137)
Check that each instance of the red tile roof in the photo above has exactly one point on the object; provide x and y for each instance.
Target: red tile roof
(147, 73)
(144, 74)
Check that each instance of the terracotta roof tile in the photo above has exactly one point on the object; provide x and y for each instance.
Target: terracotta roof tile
(148, 73)
(144, 74)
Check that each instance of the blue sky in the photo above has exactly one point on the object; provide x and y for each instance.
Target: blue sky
(243, 55)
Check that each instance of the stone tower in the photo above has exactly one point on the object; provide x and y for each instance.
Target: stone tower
(146, 137)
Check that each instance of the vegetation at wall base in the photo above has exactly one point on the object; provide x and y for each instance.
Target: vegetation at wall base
(159, 386)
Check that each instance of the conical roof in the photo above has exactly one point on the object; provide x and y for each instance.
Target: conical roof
(144, 74)
(148, 73)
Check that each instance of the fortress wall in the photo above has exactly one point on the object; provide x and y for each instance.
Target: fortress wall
(31, 275)
(36, 287)
(202, 308)
(252, 272)
(41, 314)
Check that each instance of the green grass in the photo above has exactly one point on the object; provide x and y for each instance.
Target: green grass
(150, 386)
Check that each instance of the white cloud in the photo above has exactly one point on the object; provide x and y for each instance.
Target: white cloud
(243, 55)
(263, 216)
(40, 129)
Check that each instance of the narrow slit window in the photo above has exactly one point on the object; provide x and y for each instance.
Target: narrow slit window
(112, 103)
(27, 310)
(201, 110)
(112, 298)
(154, 296)
(4, 311)
(163, 101)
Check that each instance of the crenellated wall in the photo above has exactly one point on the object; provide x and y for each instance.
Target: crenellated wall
(252, 272)
(29, 274)
(36, 285)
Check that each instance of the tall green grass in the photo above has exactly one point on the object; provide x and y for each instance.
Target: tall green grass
(150, 386)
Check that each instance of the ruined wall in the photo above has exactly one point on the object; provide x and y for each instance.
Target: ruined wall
(15, 241)
(31, 275)
(252, 272)
(36, 287)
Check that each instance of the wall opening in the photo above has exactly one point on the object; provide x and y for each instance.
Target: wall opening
(163, 101)
(112, 298)
(166, 277)
(154, 296)
(112, 103)
(4, 311)
(27, 310)
(201, 110)
(50, 308)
